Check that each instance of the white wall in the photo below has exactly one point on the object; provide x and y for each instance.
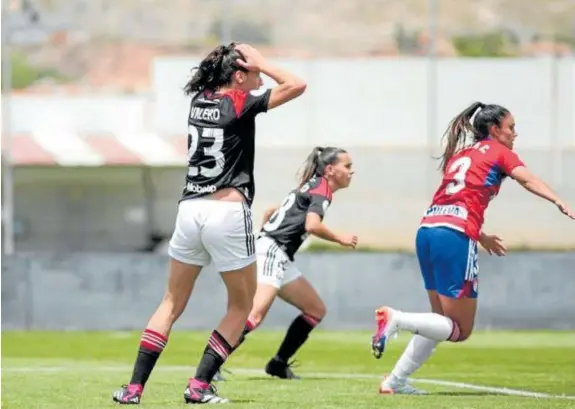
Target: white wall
(385, 102)
(104, 208)
(360, 102)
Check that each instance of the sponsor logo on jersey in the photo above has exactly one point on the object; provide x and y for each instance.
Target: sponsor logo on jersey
(448, 210)
(205, 114)
(192, 187)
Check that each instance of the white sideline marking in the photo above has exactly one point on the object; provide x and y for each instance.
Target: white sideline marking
(437, 382)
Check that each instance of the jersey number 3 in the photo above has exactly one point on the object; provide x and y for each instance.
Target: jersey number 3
(278, 216)
(459, 169)
(214, 151)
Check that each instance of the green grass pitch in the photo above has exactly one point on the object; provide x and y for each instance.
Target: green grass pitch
(56, 370)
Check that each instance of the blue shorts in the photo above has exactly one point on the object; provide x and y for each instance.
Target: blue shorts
(448, 261)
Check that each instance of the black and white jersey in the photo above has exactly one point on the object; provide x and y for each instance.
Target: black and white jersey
(287, 224)
(221, 142)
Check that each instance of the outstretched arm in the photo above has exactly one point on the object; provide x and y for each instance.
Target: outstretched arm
(532, 183)
(536, 186)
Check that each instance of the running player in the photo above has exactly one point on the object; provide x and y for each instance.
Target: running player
(214, 221)
(446, 242)
(285, 228)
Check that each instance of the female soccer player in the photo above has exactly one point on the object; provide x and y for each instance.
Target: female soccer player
(214, 221)
(446, 242)
(285, 228)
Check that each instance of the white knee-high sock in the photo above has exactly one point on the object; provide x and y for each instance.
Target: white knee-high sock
(428, 324)
(416, 354)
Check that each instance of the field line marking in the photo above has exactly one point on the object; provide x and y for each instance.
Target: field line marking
(246, 371)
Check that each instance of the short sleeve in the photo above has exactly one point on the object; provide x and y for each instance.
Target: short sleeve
(508, 160)
(250, 104)
(318, 204)
(257, 101)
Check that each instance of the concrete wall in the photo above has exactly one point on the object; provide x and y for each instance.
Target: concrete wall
(120, 291)
(104, 209)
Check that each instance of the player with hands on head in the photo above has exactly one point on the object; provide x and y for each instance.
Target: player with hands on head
(446, 241)
(214, 221)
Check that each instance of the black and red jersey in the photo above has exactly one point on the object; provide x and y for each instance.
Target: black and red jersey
(221, 142)
(287, 224)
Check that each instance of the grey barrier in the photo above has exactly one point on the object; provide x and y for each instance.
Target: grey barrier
(105, 291)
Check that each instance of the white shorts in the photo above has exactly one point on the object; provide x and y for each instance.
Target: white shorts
(274, 266)
(213, 230)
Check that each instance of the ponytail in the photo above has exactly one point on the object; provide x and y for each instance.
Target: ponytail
(484, 117)
(457, 131)
(316, 162)
(311, 166)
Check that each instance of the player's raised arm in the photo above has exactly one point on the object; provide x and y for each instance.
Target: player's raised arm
(289, 85)
(536, 186)
(514, 167)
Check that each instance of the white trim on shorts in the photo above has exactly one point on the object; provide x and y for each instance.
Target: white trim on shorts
(471, 270)
(248, 228)
(274, 266)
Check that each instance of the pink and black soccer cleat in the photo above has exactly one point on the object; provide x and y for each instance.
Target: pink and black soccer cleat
(385, 329)
(128, 395)
(200, 392)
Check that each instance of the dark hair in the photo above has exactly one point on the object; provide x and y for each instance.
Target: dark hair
(461, 125)
(216, 70)
(316, 162)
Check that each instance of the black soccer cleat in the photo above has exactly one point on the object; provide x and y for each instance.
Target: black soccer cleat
(280, 369)
(128, 395)
(198, 393)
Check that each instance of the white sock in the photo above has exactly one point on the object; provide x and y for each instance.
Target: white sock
(416, 354)
(428, 324)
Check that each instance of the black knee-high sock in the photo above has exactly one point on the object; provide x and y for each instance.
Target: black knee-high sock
(215, 354)
(152, 344)
(296, 336)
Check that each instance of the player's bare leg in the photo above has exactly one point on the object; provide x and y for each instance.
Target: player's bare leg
(303, 296)
(155, 337)
(418, 351)
(263, 300)
(461, 311)
(240, 285)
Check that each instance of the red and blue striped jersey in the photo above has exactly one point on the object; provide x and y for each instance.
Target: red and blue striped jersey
(472, 178)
